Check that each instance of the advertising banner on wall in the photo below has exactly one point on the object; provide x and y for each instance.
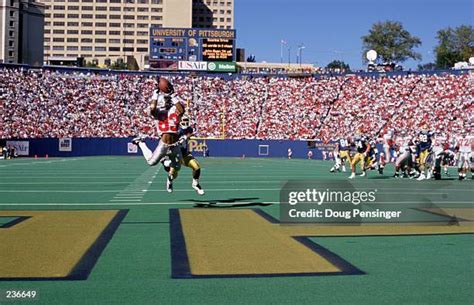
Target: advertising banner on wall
(215, 66)
(22, 148)
(132, 148)
(192, 65)
(65, 144)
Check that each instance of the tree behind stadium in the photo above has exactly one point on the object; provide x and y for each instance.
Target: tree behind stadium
(338, 65)
(392, 42)
(454, 45)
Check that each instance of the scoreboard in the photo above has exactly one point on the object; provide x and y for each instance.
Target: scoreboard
(217, 49)
(168, 46)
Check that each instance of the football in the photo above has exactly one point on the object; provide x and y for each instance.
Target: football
(165, 86)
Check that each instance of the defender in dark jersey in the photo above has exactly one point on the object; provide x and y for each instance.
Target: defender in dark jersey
(423, 150)
(363, 148)
(187, 158)
(341, 154)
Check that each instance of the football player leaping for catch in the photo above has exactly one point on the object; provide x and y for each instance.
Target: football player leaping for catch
(167, 110)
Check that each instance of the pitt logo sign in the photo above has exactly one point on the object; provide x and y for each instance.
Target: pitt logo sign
(248, 243)
(196, 145)
(49, 245)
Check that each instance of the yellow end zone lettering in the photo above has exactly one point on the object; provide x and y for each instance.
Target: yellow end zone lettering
(54, 244)
(245, 242)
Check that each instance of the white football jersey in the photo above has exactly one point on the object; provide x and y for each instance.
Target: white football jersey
(438, 144)
(465, 143)
(167, 120)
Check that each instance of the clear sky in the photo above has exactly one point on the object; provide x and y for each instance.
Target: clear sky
(332, 29)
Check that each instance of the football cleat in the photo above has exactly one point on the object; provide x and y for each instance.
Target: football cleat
(352, 176)
(197, 187)
(362, 175)
(422, 177)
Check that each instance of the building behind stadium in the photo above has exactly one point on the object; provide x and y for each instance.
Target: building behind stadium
(21, 32)
(107, 31)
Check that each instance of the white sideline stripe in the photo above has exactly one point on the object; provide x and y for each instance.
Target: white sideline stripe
(115, 191)
(130, 193)
(188, 190)
(131, 202)
(62, 177)
(75, 183)
(38, 162)
(125, 200)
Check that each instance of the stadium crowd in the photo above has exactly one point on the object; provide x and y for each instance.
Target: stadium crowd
(43, 103)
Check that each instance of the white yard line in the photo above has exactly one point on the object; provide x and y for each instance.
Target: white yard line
(131, 203)
(166, 203)
(38, 162)
(144, 190)
(117, 191)
(135, 191)
(62, 183)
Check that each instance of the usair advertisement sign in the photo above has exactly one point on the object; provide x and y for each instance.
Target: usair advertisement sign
(22, 148)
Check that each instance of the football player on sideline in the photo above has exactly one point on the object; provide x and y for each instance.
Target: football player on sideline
(167, 110)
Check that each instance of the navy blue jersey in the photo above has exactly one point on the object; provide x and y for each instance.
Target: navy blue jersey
(183, 143)
(343, 144)
(424, 140)
(361, 144)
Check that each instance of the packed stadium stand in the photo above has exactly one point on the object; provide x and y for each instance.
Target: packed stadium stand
(49, 103)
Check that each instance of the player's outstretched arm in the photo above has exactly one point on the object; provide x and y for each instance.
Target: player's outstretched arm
(153, 109)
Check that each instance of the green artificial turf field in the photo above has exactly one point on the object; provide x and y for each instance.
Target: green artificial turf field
(134, 263)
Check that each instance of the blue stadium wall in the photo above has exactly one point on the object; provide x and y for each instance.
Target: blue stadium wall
(215, 148)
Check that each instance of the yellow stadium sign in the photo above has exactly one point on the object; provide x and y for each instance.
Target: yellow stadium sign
(196, 145)
(245, 242)
(43, 245)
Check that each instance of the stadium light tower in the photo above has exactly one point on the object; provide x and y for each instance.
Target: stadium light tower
(282, 42)
(289, 55)
(300, 51)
